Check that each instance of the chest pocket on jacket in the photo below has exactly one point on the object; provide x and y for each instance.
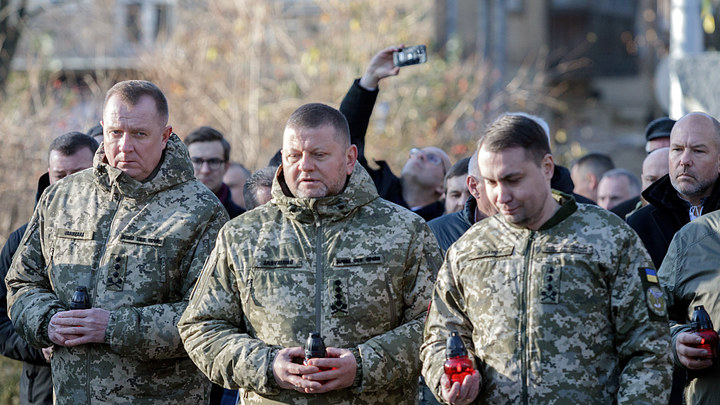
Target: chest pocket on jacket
(279, 288)
(71, 261)
(566, 274)
(498, 268)
(364, 287)
(136, 266)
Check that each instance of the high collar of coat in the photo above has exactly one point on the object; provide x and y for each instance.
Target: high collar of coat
(174, 168)
(359, 191)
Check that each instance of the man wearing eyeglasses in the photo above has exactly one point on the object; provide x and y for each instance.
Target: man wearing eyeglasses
(210, 156)
(422, 181)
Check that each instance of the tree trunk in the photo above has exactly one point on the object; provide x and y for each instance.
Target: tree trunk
(12, 21)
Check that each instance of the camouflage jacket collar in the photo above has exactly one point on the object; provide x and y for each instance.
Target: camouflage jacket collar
(360, 190)
(567, 207)
(174, 168)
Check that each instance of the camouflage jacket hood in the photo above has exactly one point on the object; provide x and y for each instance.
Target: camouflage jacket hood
(174, 168)
(358, 191)
(354, 267)
(555, 314)
(138, 247)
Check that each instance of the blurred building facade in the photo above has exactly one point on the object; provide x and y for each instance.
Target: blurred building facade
(600, 57)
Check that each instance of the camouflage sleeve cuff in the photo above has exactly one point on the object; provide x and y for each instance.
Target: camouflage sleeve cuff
(674, 332)
(357, 382)
(273, 388)
(109, 327)
(43, 330)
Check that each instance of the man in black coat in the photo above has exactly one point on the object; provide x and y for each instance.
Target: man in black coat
(688, 191)
(420, 185)
(417, 192)
(69, 153)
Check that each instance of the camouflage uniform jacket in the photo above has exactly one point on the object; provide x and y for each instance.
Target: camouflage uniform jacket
(553, 316)
(138, 247)
(690, 276)
(353, 266)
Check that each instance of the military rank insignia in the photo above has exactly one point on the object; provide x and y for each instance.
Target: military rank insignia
(116, 273)
(550, 289)
(338, 305)
(654, 297)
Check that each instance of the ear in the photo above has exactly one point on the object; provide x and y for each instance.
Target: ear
(166, 135)
(548, 166)
(440, 189)
(351, 154)
(592, 181)
(472, 185)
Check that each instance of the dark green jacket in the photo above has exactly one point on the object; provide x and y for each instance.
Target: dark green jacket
(690, 274)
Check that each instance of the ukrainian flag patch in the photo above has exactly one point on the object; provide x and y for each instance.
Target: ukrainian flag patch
(654, 297)
(651, 276)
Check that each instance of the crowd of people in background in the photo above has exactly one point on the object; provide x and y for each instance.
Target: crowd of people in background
(205, 280)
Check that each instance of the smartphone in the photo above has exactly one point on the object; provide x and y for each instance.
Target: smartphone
(411, 55)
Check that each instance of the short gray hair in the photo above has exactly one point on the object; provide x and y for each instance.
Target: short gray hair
(633, 180)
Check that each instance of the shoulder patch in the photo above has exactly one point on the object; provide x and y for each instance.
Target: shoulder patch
(650, 275)
(654, 297)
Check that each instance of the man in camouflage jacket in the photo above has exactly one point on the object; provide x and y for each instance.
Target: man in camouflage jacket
(135, 230)
(557, 302)
(326, 254)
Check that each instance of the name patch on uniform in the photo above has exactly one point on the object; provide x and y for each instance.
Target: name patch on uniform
(141, 240)
(499, 252)
(568, 248)
(654, 297)
(354, 261)
(278, 263)
(73, 234)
